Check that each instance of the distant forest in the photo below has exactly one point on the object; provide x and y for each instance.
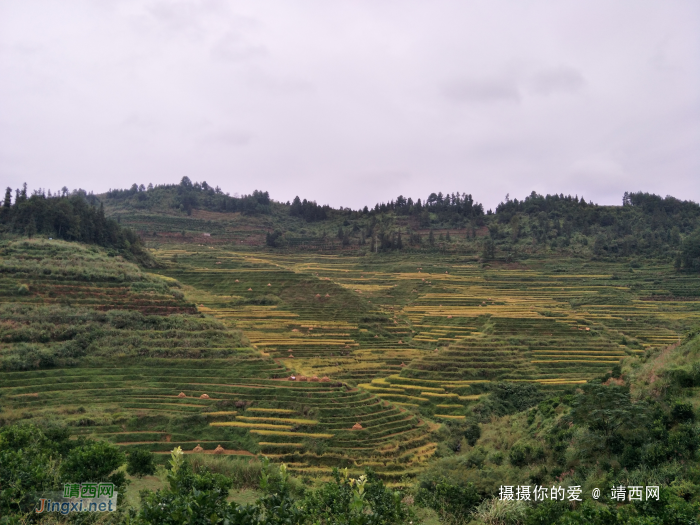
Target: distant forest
(644, 224)
(71, 216)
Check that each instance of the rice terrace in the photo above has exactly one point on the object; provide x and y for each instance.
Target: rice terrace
(434, 343)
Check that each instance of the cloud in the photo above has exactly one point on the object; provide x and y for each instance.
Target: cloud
(232, 47)
(228, 138)
(353, 102)
(559, 79)
(482, 90)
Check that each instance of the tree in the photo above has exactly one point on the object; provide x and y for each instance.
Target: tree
(94, 461)
(140, 463)
(606, 408)
(431, 238)
(489, 251)
(8, 198)
(690, 252)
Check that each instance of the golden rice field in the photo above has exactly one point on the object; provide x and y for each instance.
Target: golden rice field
(351, 361)
(443, 319)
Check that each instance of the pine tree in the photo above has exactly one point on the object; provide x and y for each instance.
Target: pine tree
(431, 238)
(8, 198)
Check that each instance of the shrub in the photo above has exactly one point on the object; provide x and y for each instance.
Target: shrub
(140, 463)
(682, 412)
(497, 512)
(22, 289)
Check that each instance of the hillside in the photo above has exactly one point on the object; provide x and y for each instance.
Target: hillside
(449, 368)
(644, 226)
(105, 348)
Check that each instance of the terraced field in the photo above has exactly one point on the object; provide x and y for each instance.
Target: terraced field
(246, 405)
(448, 320)
(381, 349)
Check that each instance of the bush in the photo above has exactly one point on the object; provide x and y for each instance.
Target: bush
(140, 463)
(682, 412)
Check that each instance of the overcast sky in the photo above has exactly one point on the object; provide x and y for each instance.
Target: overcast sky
(353, 102)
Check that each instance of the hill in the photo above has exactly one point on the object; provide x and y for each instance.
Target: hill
(76, 216)
(644, 225)
(450, 356)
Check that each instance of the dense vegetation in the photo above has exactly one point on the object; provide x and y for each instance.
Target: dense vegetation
(644, 225)
(72, 216)
(440, 351)
(187, 196)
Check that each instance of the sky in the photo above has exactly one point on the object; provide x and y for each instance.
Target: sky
(353, 102)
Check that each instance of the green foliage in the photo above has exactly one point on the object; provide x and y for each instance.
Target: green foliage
(361, 501)
(509, 398)
(690, 253)
(606, 409)
(74, 217)
(140, 463)
(94, 461)
(194, 499)
(453, 503)
(28, 466)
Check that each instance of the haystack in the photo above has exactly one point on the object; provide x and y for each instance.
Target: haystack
(204, 396)
(219, 450)
(357, 426)
(325, 379)
(197, 448)
(314, 379)
(181, 394)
